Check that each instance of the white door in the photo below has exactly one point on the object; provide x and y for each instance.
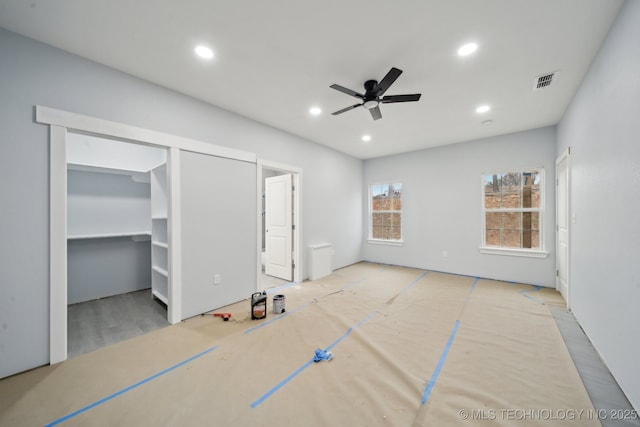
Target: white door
(562, 225)
(279, 226)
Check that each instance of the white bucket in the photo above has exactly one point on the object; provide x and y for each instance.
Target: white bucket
(278, 304)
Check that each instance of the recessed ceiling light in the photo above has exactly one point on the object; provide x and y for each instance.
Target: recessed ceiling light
(467, 49)
(204, 52)
(366, 138)
(483, 109)
(315, 111)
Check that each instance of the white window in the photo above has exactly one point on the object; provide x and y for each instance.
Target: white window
(513, 206)
(385, 211)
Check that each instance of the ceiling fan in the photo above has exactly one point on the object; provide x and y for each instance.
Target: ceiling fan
(372, 97)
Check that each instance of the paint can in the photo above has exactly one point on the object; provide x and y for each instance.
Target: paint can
(259, 305)
(278, 304)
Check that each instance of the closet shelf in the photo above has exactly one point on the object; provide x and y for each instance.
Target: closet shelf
(159, 234)
(161, 271)
(109, 235)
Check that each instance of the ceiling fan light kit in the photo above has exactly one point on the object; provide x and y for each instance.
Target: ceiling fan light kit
(370, 104)
(373, 95)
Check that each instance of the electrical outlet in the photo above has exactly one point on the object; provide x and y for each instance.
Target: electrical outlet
(216, 279)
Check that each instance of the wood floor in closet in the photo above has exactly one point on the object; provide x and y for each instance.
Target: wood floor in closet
(102, 322)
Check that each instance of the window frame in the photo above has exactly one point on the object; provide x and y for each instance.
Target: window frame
(540, 252)
(370, 238)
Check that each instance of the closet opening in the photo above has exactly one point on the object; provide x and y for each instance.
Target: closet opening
(117, 241)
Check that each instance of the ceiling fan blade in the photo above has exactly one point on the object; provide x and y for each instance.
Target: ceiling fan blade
(387, 81)
(347, 91)
(400, 98)
(344, 110)
(375, 113)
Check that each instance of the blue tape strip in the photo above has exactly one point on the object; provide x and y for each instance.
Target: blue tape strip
(351, 329)
(131, 387)
(282, 383)
(436, 373)
(310, 362)
(412, 284)
(535, 289)
(473, 286)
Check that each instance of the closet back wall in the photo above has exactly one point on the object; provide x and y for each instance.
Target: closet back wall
(105, 203)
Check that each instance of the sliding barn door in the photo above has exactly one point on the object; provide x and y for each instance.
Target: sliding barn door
(219, 231)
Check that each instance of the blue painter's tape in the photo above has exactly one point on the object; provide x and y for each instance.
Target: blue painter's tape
(131, 387)
(282, 383)
(443, 357)
(473, 286)
(310, 362)
(351, 329)
(535, 289)
(412, 284)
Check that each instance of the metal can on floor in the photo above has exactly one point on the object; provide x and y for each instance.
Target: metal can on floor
(278, 304)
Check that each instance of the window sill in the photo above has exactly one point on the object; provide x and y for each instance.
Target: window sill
(386, 242)
(528, 253)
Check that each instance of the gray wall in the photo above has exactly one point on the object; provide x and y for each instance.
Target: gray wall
(602, 127)
(442, 205)
(33, 73)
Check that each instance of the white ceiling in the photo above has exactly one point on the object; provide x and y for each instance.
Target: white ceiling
(275, 59)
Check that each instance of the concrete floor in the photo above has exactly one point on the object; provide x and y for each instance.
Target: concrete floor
(605, 393)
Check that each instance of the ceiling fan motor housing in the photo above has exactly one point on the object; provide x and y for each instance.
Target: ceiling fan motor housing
(370, 86)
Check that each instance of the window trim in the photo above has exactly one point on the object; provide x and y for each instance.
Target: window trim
(530, 253)
(540, 252)
(370, 238)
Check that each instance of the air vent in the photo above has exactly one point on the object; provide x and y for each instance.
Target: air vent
(544, 80)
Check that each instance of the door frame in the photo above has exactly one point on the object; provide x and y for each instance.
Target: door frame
(296, 173)
(60, 122)
(566, 155)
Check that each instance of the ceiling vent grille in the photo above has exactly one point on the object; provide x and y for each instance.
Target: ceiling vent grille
(544, 80)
